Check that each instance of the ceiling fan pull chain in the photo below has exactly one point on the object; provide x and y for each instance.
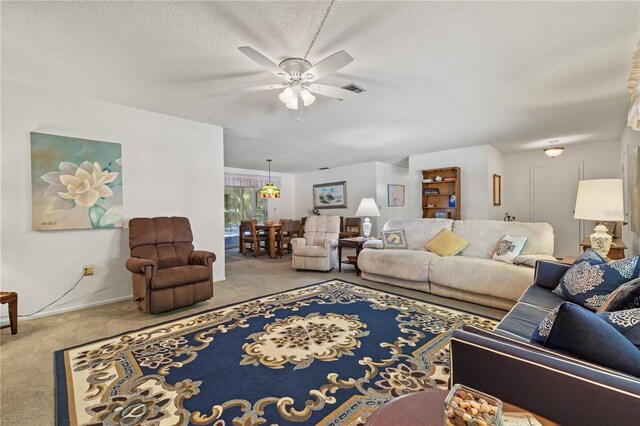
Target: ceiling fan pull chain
(319, 29)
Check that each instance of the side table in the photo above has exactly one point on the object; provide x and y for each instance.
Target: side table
(425, 408)
(11, 298)
(355, 243)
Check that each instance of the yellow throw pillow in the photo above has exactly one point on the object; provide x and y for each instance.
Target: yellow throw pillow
(446, 243)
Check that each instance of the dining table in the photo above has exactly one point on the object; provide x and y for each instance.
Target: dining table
(273, 229)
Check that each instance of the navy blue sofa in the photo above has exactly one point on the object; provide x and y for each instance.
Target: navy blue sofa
(549, 383)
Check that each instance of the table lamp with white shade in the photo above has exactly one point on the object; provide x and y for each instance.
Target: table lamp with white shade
(367, 208)
(600, 200)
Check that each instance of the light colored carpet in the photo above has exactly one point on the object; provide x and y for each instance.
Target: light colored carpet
(26, 359)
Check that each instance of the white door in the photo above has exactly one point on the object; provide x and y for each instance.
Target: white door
(553, 199)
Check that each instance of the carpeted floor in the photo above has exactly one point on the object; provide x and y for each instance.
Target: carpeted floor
(26, 359)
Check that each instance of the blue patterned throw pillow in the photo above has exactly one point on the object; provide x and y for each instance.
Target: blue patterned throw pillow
(627, 323)
(575, 330)
(588, 283)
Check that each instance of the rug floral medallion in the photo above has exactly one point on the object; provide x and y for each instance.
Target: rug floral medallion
(328, 354)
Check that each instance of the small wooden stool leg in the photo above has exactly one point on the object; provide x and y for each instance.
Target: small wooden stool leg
(13, 316)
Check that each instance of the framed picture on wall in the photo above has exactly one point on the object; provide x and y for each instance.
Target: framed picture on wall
(395, 195)
(332, 195)
(497, 189)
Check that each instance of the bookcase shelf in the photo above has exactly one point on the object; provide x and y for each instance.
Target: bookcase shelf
(447, 200)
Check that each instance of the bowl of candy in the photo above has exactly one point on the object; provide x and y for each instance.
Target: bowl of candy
(465, 406)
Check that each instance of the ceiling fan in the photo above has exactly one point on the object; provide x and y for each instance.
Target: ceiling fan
(300, 76)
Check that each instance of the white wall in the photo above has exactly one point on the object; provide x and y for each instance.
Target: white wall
(361, 183)
(279, 208)
(171, 167)
(389, 174)
(629, 141)
(476, 197)
(599, 160)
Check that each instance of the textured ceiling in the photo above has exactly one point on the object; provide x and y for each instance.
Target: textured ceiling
(438, 75)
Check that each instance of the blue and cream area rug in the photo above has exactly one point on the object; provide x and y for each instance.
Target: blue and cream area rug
(327, 354)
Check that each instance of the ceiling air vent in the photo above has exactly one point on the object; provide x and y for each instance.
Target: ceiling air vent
(323, 168)
(352, 87)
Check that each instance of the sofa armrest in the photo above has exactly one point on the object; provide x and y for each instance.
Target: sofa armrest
(373, 244)
(201, 257)
(531, 259)
(548, 273)
(298, 242)
(542, 381)
(139, 266)
(331, 243)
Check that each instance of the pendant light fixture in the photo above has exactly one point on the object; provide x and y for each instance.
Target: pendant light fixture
(269, 190)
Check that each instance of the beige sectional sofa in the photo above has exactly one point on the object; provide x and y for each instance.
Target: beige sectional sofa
(471, 275)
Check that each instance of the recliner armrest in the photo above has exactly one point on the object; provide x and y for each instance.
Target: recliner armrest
(298, 242)
(139, 266)
(548, 273)
(201, 257)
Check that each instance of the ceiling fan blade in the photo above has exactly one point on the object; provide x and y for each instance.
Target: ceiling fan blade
(259, 88)
(263, 61)
(328, 65)
(331, 91)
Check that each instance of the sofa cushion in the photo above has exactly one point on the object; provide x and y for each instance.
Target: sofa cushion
(485, 235)
(509, 248)
(541, 297)
(522, 320)
(446, 243)
(171, 277)
(481, 276)
(410, 265)
(418, 231)
(310, 251)
(627, 296)
(589, 285)
(580, 332)
(626, 322)
(394, 239)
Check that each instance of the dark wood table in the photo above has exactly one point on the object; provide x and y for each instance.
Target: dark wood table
(355, 243)
(273, 229)
(11, 298)
(424, 408)
(615, 252)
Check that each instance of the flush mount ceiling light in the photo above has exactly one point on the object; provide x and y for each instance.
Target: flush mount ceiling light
(554, 150)
(300, 75)
(269, 190)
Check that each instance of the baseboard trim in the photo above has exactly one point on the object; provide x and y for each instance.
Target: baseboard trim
(69, 309)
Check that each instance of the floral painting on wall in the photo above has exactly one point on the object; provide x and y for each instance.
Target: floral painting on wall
(75, 183)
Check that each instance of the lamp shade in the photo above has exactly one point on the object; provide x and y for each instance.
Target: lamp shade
(368, 208)
(600, 199)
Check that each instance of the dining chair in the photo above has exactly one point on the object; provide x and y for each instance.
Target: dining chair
(289, 229)
(251, 238)
(350, 227)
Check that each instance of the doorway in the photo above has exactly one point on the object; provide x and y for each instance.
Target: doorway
(553, 198)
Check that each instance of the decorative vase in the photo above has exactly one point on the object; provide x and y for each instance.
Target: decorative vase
(452, 200)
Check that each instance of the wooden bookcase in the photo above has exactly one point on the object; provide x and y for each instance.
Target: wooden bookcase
(436, 196)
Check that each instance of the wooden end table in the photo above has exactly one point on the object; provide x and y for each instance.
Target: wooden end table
(11, 298)
(355, 243)
(425, 408)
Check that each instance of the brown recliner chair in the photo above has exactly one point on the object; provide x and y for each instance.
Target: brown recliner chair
(167, 272)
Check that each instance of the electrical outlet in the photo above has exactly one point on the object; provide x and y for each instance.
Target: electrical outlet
(88, 270)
